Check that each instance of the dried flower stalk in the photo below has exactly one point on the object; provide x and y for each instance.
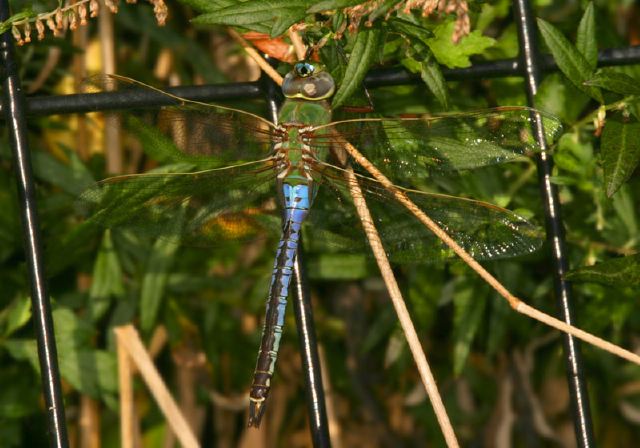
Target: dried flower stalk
(372, 9)
(71, 16)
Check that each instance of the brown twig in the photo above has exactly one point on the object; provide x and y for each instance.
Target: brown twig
(401, 310)
(516, 303)
(130, 347)
(298, 44)
(264, 65)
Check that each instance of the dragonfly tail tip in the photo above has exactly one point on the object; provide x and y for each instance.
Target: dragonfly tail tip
(256, 411)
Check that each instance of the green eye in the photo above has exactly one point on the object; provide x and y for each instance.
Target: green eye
(304, 69)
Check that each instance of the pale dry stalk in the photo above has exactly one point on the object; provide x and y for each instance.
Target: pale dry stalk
(402, 312)
(517, 304)
(253, 53)
(131, 350)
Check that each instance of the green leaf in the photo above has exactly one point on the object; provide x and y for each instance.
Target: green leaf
(340, 267)
(586, 37)
(432, 76)
(620, 148)
(72, 177)
(91, 371)
(469, 305)
(280, 13)
(107, 278)
(615, 82)
(364, 51)
(206, 5)
(574, 66)
(457, 54)
(325, 5)
(619, 272)
(154, 281)
(15, 316)
(409, 29)
(7, 24)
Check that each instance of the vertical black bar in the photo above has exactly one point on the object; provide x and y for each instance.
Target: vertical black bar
(555, 232)
(13, 107)
(316, 405)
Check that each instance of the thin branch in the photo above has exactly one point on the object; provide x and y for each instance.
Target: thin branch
(125, 380)
(515, 302)
(401, 310)
(298, 44)
(129, 340)
(253, 53)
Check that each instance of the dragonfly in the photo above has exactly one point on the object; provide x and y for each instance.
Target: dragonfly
(299, 162)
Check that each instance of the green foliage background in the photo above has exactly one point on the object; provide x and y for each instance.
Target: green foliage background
(211, 302)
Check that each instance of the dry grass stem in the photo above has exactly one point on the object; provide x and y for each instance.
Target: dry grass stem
(298, 44)
(253, 53)
(401, 310)
(125, 383)
(130, 343)
(515, 302)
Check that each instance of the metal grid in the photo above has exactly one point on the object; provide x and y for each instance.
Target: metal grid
(529, 65)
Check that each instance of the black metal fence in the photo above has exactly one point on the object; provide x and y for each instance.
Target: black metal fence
(529, 65)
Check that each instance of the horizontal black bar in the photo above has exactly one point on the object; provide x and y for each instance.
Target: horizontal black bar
(130, 98)
(499, 68)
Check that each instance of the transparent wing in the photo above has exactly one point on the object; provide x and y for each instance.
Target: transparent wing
(484, 230)
(235, 202)
(202, 132)
(413, 147)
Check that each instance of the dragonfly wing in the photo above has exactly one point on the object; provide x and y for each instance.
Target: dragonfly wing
(484, 230)
(234, 202)
(207, 134)
(413, 147)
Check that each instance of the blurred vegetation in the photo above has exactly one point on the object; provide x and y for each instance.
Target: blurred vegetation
(497, 371)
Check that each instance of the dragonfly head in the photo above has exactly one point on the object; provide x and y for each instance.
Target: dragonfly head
(308, 81)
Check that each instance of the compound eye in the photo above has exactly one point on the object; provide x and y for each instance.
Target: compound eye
(304, 69)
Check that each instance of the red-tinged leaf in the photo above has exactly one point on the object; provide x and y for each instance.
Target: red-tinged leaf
(274, 47)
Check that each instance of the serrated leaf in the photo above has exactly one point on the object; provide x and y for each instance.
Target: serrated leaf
(206, 5)
(619, 272)
(325, 5)
(364, 51)
(432, 76)
(453, 54)
(586, 37)
(410, 29)
(620, 147)
(574, 66)
(615, 82)
(280, 13)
